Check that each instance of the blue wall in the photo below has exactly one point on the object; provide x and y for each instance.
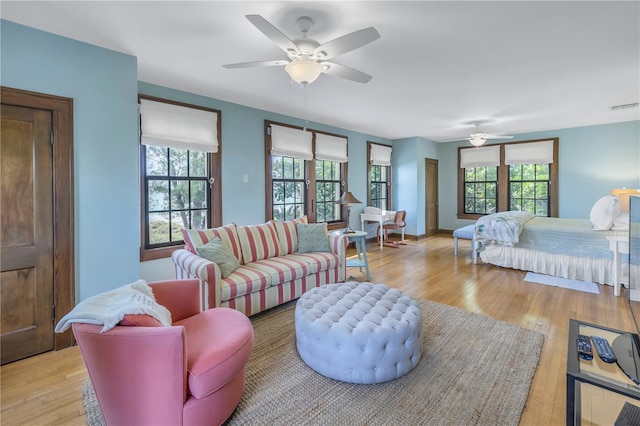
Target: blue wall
(104, 87)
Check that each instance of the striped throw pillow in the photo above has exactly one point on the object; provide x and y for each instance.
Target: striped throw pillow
(195, 238)
(258, 242)
(288, 235)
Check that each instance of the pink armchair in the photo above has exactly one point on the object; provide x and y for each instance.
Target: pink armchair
(191, 373)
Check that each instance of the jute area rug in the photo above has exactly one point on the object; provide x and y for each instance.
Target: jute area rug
(474, 370)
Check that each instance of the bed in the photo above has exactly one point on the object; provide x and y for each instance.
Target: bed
(567, 248)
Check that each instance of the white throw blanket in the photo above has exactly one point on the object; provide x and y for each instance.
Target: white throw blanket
(109, 308)
(502, 228)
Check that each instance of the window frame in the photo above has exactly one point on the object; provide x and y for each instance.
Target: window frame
(214, 208)
(369, 181)
(309, 208)
(503, 180)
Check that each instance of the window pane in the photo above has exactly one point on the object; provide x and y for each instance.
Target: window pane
(158, 228)
(179, 220)
(492, 173)
(528, 171)
(179, 194)
(199, 194)
(542, 171)
(197, 163)
(178, 164)
(277, 167)
(157, 160)
(158, 195)
(515, 172)
(542, 190)
(198, 219)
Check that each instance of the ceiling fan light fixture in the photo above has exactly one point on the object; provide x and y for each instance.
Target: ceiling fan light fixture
(303, 71)
(477, 140)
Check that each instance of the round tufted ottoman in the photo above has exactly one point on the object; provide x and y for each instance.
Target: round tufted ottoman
(359, 332)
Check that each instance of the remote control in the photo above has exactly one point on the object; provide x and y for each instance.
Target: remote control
(584, 347)
(604, 349)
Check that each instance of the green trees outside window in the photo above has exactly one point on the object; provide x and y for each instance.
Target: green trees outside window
(288, 190)
(378, 187)
(176, 193)
(481, 190)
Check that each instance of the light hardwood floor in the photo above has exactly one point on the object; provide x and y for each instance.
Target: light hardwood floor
(47, 389)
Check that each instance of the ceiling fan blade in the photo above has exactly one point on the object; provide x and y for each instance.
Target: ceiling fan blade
(257, 64)
(499, 137)
(273, 33)
(342, 71)
(346, 43)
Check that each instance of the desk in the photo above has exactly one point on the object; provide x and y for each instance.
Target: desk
(360, 238)
(618, 245)
(380, 218)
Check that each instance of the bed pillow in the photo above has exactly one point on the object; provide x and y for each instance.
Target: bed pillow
(312, 237)
(218, 252)
(621, 222)
(604, 211)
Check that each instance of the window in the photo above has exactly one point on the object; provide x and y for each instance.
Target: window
(529, 188)
(480, 190)
(288, 188)
(328, 185)
(306, 174)
(379, 176)
(180, 173)
(519, 176)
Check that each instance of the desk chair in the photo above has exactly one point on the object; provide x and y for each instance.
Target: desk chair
(398, 223)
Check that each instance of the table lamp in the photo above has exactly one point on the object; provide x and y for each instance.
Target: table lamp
(348, 199)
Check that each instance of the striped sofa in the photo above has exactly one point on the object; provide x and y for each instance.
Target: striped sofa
(271, 270)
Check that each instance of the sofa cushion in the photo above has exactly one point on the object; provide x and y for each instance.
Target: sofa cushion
(218, 252)
(218, 342)
(283, 268)
(258, 242)
(195, 238)
(316, 262)
(312, 237)
(244, 280)
(287, 234)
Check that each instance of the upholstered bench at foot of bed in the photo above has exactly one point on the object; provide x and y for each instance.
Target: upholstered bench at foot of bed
(359, 332)
(466, 233)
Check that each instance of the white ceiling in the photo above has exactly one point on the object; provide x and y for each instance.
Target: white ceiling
(438, 66)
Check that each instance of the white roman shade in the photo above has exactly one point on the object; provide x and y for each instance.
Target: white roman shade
(331, 148)
(175, 126)
(483, 156)
(380, 155)
(289, 142)
(529, 153)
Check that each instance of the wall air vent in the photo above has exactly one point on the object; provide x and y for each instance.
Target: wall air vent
(624, 106)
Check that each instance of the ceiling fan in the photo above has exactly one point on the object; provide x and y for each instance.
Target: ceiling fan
(308, 58)
(478, 138)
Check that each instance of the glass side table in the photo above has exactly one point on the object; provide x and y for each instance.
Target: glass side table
(596, 390)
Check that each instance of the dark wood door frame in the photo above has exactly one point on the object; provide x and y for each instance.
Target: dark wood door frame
(63, 226)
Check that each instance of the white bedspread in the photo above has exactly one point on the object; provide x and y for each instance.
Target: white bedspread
(109, 308)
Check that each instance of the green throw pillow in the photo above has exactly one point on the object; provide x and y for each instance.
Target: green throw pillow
(216, 251)
(312, 237)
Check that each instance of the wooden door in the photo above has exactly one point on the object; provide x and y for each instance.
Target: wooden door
(26, 232)
(431, 196)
